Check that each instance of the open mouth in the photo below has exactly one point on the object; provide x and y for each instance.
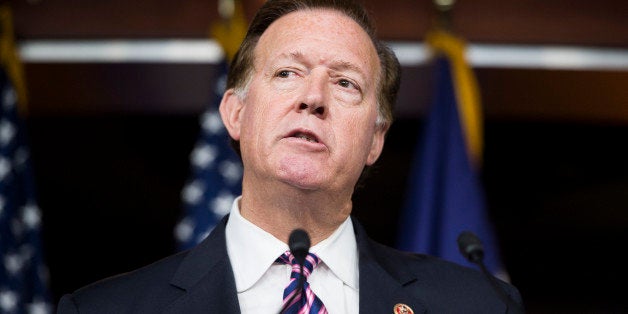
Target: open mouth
(305, 136)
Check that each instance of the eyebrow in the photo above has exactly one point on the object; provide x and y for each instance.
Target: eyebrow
(345, 65)
(335, 64)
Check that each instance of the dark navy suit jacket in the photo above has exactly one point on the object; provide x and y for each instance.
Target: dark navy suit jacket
(201, 281)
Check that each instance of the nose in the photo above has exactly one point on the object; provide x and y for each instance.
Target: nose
(314, 97)
(318, 111)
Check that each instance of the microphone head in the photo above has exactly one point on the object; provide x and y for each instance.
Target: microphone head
(471, 247)
(299, 244)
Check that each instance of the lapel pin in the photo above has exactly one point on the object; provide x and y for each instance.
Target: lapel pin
(401, 308)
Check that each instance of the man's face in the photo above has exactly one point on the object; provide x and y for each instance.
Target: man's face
(308, 117)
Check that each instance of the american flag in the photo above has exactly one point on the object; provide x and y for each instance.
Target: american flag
(216, 175)
(23, 274)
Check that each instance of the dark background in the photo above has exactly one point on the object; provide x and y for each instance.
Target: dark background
(109, 187)
(110, 142)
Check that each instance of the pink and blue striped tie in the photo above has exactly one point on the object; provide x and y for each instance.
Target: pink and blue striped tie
(303, 303)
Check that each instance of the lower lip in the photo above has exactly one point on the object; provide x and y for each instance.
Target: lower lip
(314, 146)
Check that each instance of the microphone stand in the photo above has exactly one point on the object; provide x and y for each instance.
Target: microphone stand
(471, 248)
(299, 244)
(498, 289)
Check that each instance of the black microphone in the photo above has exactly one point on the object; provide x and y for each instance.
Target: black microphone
(472, 249)
(299, 244)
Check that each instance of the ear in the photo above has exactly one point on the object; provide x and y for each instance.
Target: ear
(230, 111)
(377, 145)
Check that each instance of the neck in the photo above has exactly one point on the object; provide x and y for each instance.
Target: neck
(279, 209)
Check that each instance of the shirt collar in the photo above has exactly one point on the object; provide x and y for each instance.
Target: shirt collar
(340, 253)
(251, 249)
(247, 242)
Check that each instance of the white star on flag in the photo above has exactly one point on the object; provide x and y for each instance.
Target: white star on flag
(216, 174)
(23, 289)
(204, 156)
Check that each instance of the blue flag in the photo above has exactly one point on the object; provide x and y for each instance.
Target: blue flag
(445, 195)
(23, 275)
(216, 178)
(216, 175)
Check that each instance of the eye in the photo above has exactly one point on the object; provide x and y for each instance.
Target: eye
(284, 73)
(347, 84)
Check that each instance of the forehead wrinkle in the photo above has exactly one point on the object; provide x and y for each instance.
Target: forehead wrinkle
(292, 55)
(296, 55)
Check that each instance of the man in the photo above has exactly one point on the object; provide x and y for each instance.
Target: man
(308, 104)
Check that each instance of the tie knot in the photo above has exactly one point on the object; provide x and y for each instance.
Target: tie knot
(298, 297)
(311, 261)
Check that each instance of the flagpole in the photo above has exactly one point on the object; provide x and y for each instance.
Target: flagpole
(443, 16)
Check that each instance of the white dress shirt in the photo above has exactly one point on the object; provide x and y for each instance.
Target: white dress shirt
(260, 282)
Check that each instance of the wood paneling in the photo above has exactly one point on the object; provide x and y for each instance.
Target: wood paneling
(577, 22)
(544, 95)
(598, 96)
(112, 19)
(87, 88)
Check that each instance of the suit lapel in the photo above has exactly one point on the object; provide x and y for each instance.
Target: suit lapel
(207, 278)
(382, 285)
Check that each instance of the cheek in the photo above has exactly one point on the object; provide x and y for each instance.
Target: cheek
(249, 129)
(354, 132)
(361, 130)
(257, 122)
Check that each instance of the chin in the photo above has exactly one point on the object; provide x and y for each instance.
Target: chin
(303, 179)
(305, 183)
(301, 173)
